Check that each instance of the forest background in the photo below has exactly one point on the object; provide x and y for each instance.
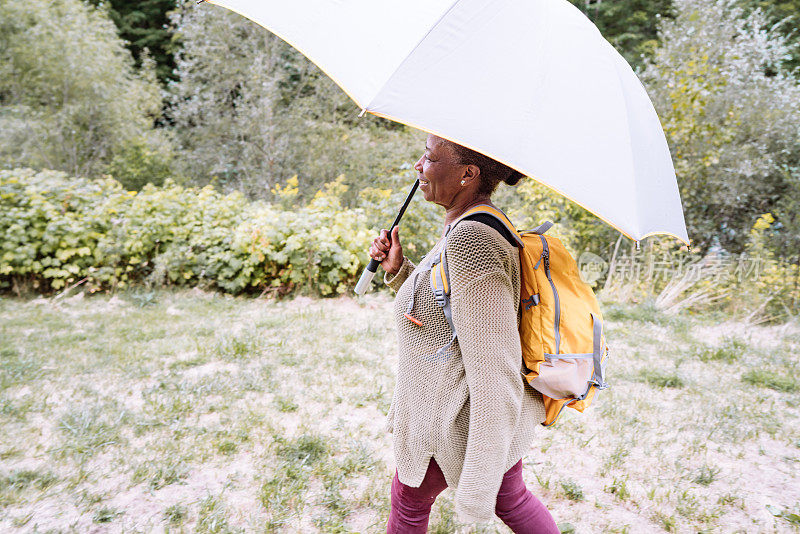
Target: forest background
(169, 143)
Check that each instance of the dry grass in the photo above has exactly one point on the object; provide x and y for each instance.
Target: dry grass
(195, 412)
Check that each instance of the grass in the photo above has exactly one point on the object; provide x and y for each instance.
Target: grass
(14, 483)
(772, 379)
(161, 473)
(175, 515)
(105, 515)
(792, 518)
(196, 412)
(16, 369)
(306, 449)
(213, 517)
(572, 490)
(729, 351)
(706, 475)
(661, 379)
(618, 488)
(89, 428)
(285, 404)
(17, 480)
(645, 312)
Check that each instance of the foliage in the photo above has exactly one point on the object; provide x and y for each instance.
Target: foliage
(70, 98)
(146, 28)
(783, 237)
(732, 128)
(757, 285)
(421, 226)
(785, 15)
(62, 231)
(530, 203)
(629, 25)
(250, 112)
(143, 160)
(776, 288)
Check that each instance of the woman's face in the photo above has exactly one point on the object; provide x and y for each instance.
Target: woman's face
(440, 174)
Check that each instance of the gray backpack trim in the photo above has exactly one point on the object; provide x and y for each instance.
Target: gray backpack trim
(443, 297)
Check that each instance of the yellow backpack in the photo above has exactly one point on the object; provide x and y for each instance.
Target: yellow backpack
(561, 327)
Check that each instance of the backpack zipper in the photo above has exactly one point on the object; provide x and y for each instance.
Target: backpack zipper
(557, 322)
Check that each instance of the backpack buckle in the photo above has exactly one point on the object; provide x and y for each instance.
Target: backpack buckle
(439, 297)
(533, 300)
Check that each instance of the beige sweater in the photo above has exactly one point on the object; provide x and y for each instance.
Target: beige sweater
(469, 408)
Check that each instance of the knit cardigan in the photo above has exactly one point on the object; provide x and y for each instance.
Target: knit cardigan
(468, 406)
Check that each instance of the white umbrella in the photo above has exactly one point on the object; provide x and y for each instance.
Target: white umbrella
(530, 83)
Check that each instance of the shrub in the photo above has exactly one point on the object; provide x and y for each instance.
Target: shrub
(61, 230)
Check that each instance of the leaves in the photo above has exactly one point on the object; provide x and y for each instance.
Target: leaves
(250, 113)
(174, 235)
(71, 97)
(730, 115)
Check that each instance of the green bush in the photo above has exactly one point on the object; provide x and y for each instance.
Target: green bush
(61, 230)
(422, 223)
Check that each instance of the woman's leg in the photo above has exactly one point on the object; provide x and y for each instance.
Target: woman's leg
(411, 507)
(519, 509)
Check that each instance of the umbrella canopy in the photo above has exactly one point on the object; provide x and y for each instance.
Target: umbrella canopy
(530, 83)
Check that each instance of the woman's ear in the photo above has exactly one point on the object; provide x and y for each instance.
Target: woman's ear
(471, 173)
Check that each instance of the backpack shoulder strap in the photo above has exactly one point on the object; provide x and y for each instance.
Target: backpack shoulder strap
(440, 276)
(497, 215)
(541, 229)
(493, 222)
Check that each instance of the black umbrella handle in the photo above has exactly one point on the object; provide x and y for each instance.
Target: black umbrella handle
(372, 268)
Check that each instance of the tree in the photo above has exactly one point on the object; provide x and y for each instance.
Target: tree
(731, 115)
(786, 15)
(250, 112)
(70, 97)
(145, 26)
(631, 26)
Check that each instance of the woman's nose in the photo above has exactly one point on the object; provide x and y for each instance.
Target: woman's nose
(418, 165)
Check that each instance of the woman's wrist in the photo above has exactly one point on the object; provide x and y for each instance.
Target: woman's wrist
(392, 272)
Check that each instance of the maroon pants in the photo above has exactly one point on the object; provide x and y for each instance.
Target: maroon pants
(516, 506)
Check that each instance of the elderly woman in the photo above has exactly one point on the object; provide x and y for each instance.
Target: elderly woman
(463, 416)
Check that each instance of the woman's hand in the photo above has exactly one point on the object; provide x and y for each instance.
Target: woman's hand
(388, 252)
